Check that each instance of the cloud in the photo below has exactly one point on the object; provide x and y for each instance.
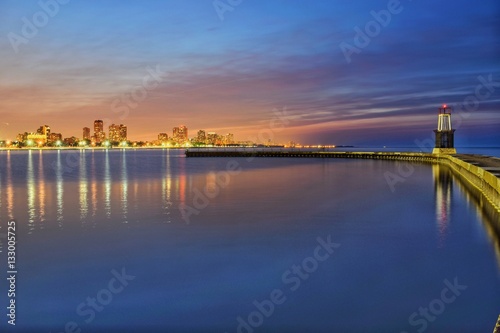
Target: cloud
(230, 76)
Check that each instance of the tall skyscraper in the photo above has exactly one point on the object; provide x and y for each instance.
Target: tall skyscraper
(201, 137)
(86, 133)
(99, 134)
(118, 133)
(123, 132)
(180, 134)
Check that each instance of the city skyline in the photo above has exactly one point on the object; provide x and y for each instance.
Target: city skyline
(364, 73)
(116, 135)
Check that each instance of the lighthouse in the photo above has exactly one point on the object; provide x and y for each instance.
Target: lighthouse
(444, 133)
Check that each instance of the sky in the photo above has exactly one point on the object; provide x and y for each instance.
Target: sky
(364, 73)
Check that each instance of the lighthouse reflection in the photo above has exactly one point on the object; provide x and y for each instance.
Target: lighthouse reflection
(443, 191)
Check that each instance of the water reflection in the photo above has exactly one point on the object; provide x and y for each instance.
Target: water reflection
(124, 187)
(41, 189)
(10, 188)
(83, 188)
(166, 186)
(59, 190)
(31, 191)
(181, 182)
(107, 185)
(443, 190)
(487, 214)
(93, 186)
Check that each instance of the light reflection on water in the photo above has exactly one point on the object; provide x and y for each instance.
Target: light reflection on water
(10, 189)
(59, 189)
(30, 181)
(235, 250)
(107, 185)
(124, 187)
(166, 182)
(83, 188)
(103, 184)
(443, 188)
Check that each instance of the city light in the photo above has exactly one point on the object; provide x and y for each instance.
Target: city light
(117, 136)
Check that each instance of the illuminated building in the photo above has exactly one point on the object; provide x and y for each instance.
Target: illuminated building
(180, 134)
(212, 138)
(228, 139)
(86, 133)
(123, 132)
(201, 137)
(72, 141)
(54, 137)
(45, 130)
(99, 135)
(163, 137)
(117, 133)
(37, 138)
(21, 137)
(444, 133)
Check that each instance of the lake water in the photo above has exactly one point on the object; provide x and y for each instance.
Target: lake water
(151, 241)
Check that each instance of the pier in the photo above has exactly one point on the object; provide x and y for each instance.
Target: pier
(259, 152)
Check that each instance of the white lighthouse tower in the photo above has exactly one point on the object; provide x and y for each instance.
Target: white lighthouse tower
(444, 133)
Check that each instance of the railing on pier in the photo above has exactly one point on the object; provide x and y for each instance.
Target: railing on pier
(305, 153)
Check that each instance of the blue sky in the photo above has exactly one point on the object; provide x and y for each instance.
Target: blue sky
(228, 75)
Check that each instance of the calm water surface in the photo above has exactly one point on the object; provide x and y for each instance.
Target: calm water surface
(202, 241)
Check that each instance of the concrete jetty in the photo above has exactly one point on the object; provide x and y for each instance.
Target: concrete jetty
(497, 326)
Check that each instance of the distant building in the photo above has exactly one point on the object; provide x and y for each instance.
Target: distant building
(212, 138)
(99, 135)
(72, 141)
(45, 131)
(36, 139)
(114, 133)
(117, 133)
(201, 137)
(21, 137)
(163, 137)
(228, 139)
(123, 132)
(180, 134)
(54, 137)
(86, 133)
